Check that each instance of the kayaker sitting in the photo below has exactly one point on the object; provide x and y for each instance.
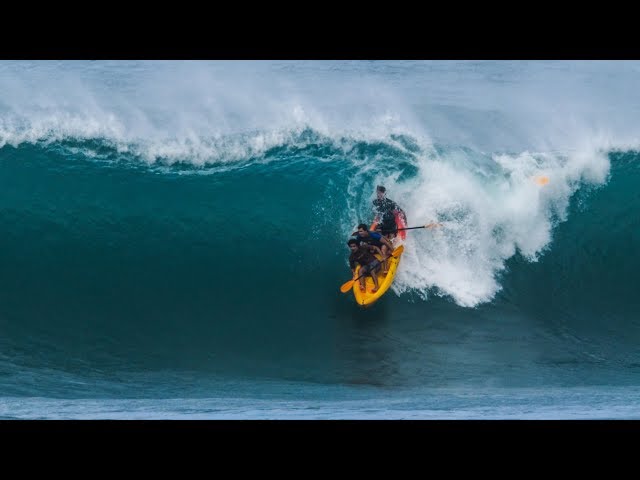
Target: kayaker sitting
(376, 239)
(385, 211)
(363, 254)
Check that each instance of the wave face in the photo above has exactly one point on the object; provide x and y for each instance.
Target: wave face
(161, 218)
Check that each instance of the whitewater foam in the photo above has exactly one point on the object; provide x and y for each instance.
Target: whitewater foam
(488, 216)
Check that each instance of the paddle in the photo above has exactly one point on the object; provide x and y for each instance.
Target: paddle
(429, 225)
(347, 286)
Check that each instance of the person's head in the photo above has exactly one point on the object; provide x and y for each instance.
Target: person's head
(363, 229)
(353, 244)
(381, 191)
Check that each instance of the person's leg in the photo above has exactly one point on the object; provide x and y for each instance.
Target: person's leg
(385, 262)
(373, 271)
(363, 279)
(374, 276)
(391, 229)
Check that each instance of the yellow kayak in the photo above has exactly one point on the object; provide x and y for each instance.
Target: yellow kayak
(366, 299)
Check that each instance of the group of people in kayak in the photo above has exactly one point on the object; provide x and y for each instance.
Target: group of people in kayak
(366, 243)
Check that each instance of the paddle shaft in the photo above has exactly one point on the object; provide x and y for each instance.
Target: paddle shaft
(413, 228)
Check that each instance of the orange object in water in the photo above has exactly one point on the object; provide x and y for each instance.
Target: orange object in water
(542, 180)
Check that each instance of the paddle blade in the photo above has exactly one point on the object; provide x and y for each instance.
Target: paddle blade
(346, 286)
(541, 180)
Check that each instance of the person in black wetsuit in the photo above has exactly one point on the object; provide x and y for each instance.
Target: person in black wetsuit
(363, 254)
(384, 209)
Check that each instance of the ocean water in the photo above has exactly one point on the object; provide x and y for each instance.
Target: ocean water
(174, 239)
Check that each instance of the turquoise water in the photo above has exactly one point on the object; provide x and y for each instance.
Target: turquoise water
(174, 237)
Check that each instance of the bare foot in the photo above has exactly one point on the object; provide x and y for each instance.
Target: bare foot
(374, 290)
(362, 289)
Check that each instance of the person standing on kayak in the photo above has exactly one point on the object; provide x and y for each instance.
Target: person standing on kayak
(385, 211)
(377, 240)
(362, 254)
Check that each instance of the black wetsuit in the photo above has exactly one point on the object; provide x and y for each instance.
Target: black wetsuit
(384, 209)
